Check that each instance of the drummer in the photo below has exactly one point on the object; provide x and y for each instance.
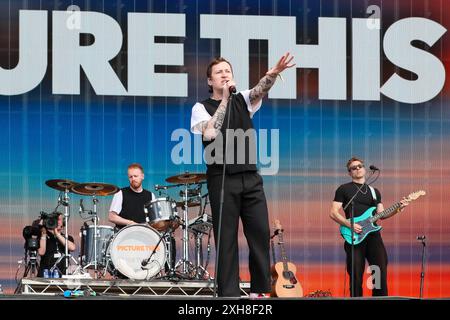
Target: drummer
(127, 206)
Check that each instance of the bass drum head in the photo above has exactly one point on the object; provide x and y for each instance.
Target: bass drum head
(134, 244)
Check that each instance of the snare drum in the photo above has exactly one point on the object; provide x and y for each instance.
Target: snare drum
(163, 214)
(132, 246)
(104, 234)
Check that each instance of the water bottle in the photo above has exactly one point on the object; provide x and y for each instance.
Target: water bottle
(46, 273)
(55, 273)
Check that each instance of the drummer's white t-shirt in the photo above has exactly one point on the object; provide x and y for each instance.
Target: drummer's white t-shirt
(116, 204)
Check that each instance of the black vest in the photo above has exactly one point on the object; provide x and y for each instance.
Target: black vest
(240, 119)
(133, 204)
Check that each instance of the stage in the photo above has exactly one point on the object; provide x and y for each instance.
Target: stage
(122, 287)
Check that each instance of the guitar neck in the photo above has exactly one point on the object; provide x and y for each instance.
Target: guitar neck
(283, 251)
(273, 251)
(386, 212)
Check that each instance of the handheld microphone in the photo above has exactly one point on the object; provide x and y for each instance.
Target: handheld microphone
(232, 89)
(373, 168)
(421, 238)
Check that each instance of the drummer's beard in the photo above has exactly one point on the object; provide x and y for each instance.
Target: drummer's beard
(136, 184)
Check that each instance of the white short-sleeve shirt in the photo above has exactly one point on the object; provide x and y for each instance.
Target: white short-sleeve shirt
(199, 113)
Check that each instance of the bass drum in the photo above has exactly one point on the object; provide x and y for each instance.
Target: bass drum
(132, 246)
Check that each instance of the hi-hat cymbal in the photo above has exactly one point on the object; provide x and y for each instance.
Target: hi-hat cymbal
(187, 178)
(61, 184)
(94, 188)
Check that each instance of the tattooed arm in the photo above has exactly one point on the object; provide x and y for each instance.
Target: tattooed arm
(261, 89)
(264, 85)
(211, 128)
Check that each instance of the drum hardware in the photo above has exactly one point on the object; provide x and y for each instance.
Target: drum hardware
(201, 273)
(160, 209)
(188, 195)
(199, 226)
(196, 192)
(187, 179)
(191, 203)
(94, 189)
(96, 235)
(64, 186)
(171, 271)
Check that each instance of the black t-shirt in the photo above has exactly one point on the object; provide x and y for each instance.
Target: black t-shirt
(362, 201)
(53, 249)
(133, 205)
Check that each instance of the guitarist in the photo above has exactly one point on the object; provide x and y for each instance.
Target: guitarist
(372, 247)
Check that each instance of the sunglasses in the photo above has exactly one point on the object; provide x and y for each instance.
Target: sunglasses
(358, 166)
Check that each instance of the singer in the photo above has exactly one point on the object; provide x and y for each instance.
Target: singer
(127, 206)
(243, 192)
(372, 248)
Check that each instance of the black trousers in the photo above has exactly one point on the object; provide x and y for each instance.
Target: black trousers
(372, 249)
(243, 197)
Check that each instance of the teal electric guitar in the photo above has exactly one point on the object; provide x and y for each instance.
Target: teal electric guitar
(367, 220)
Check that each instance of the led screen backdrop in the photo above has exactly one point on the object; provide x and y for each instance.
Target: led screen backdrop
(87, 87)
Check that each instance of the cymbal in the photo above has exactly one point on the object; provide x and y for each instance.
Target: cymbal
(94, 188)
(187, 178)
(61, 184)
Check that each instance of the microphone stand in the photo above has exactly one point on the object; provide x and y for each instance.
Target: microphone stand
(422, 272)
(219, 227)
(352, 223)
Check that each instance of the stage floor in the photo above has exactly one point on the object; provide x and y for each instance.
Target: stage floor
(124, 287)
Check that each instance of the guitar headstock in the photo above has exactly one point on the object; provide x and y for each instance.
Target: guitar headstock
(415, 195)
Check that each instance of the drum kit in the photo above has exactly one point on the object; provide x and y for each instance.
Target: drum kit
(141, 251)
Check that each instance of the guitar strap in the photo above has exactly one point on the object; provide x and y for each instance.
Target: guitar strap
(374, 195)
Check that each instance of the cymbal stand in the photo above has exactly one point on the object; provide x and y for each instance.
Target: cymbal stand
(201, 272)
(65, 203)
(184, 261)
(96, 235)
(95, 201)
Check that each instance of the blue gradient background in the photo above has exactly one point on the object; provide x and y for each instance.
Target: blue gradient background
(89, 138)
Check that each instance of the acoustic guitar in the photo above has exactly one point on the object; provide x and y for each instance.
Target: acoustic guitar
(285, 283)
